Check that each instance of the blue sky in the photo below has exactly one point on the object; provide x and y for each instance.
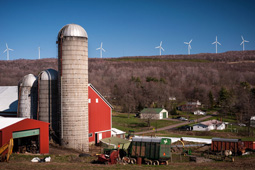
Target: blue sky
(127, 27)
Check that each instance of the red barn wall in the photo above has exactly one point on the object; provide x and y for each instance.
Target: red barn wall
(0, 138)
(29, 124)
(100, 118)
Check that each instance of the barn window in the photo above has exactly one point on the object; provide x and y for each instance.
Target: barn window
(89, 100)
(96, 100)
(90, 135)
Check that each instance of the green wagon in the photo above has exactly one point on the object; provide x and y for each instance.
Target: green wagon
(152, 150)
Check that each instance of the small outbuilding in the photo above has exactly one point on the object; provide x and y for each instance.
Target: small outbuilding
(154, 113)
(200, 127)
(28, 134)
(199, 112)
(118, 133)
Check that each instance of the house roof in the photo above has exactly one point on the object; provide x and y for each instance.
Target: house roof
(8, 98)
(152, 110)
(117, 131)
(7, 121)
(202, 125)
(210, 122)
(100, 95)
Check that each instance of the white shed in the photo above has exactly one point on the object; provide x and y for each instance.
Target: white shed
(199, 112)
(118, 133)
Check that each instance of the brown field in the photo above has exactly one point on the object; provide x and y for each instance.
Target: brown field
(69, 159)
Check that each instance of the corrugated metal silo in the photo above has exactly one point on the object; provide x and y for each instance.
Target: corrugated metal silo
(27, 106)
(48, 100)
(73, 86)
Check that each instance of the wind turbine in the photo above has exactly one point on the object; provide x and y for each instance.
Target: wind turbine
(39, 53)
(216, 42)
(7, 50)
(101, 49)
(189, 46)
(243, 42)
(160, 48)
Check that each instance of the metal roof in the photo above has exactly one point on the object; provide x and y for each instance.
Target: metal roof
(202, 125)
(225, 140)
(8, 98)
(152, 110)
(117, 131)
(147, 139)
(28, 80)
(6, 121)
(49, 74)
(72, 30)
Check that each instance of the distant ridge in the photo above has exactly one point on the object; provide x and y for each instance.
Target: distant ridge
(12, 71)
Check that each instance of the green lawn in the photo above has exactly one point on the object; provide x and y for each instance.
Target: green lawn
(122, 122)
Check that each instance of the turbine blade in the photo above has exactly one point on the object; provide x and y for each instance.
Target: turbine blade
(242, 37)
(219, 43)
(190, 41)
(241, 43)
(186, 43)
(11, 49)
(160, 43)
(103, 49)
(214, 42)
(246, 41)
(5, 51)
(162, 48)
(98, 48)
(6, 46)
(157, 47)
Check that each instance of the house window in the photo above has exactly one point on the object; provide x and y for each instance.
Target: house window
(89, 100)
(96, 100)
(90, 135)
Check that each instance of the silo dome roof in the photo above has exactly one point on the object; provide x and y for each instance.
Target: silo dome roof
(49, 74)
(72, 30)
(28, 80)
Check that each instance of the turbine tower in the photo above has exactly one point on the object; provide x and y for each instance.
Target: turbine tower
(7, 50)
(101, 49)
(39, 53)
(243, 42)
(216, 42)
(160, 48)
(189, 46)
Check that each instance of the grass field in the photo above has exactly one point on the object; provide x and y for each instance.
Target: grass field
(122, 122)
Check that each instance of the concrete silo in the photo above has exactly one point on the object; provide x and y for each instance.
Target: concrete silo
(27, 104)
(73, 86)
(47, 110)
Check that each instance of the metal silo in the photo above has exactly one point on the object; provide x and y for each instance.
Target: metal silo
(27, 105)
(73, 86)
(47, 109)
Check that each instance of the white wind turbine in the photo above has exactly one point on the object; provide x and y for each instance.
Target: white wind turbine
(189, 46)
(101, 49)
(216, 42)
(7, 50)
(243, 42)
(160, 48)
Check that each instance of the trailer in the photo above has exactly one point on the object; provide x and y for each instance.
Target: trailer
(150, 150)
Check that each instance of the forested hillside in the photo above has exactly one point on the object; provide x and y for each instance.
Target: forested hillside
(137, 82)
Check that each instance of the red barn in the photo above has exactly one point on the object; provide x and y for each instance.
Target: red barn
(23, 131)
(100, 116)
